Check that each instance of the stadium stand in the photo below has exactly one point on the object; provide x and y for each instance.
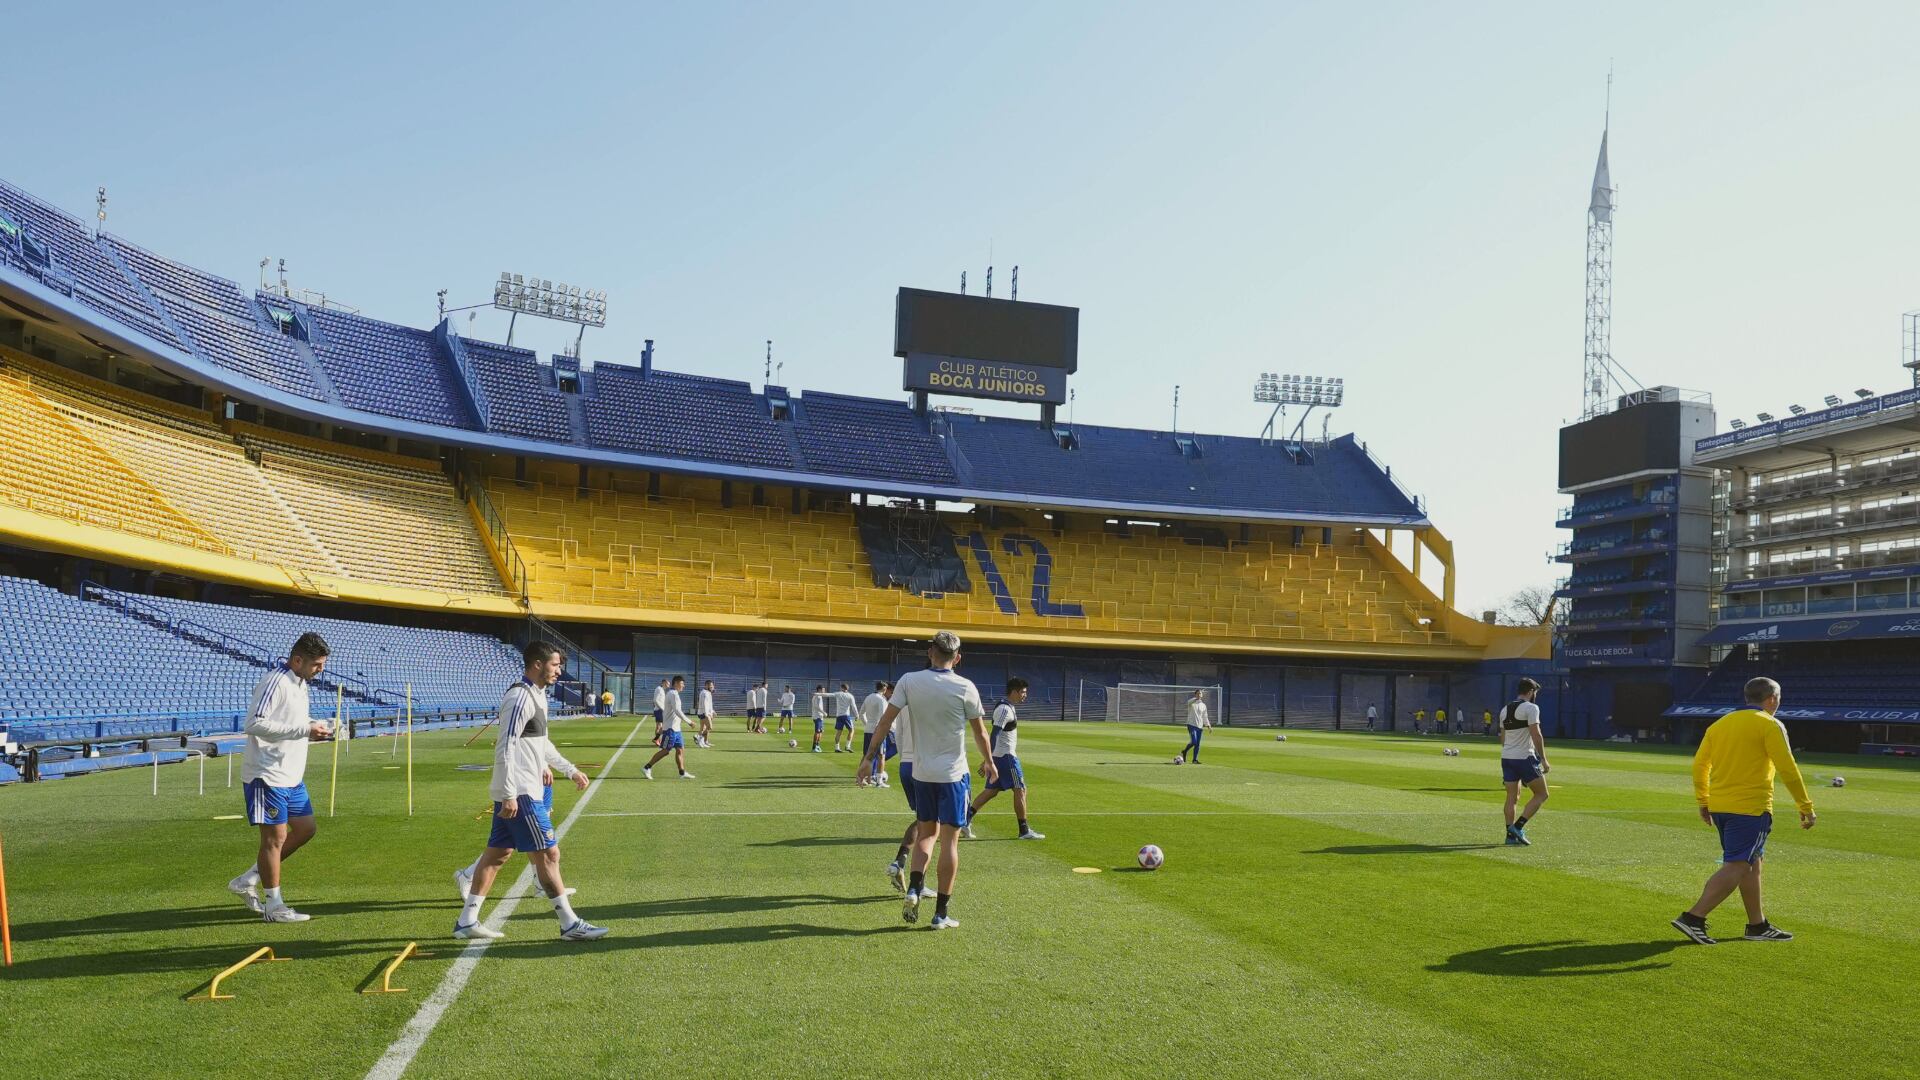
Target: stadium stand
(220, 320)
(519, 401)
(74, 262)
(855, 436)
(383, 368)
(684, 416)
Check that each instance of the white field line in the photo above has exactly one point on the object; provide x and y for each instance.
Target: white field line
(401, 1053)
(1108, 813)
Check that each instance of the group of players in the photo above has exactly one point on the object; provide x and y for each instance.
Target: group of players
(932, 712)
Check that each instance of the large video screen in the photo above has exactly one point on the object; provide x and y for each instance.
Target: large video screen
(1629, 441)
(991, 331)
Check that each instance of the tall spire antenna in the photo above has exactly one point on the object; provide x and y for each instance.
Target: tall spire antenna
(1598, 373)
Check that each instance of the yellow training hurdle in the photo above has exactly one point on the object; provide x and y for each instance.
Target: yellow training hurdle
(386, 977)
(213, 988)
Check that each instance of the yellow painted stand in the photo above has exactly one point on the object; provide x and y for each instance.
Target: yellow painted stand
(213, 988)
(386, 977)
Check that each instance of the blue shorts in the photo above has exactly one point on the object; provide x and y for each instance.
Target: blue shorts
(1009, 778)
(943, 802)
(1520, 770)
(907, 785)
(819, 724)
(786, 714)
(843, 723)
(672, 740)
(268, 805)
(529, 830)
(659, 716)
(1743, 837)
(866, 745)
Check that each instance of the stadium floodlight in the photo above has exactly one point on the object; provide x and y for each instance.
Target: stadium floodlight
(1832, 400)
(1312, 391)
(534, 295)
(1765, 418)
(1863, 393)
(1795, 409)
(1737, 424)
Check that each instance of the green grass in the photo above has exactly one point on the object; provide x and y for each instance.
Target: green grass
(1335, 905)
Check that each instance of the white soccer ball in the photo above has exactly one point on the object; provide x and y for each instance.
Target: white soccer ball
(793, 742)
(1279, 738)
(1839, 781)
(1151, 857)
(1179, 761)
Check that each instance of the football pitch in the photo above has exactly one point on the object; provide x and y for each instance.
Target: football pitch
(1332, 905)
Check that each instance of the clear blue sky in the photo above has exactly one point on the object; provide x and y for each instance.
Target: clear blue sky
(1394, 193)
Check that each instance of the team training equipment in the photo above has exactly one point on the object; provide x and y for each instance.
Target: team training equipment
(1279, 738)
(1151, 857)
(1839, 781)
(793, 742)
(1153, 703)
(1451, 752)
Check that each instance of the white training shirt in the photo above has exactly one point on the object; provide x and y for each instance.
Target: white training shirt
(704, 706)
(820, 704)
(871, 710)
(277, 721)
(786, 700)
(1517, 743)
(1005, 738)
(844, 703)
(757, 698)
(1197, 713)
(524, 750)
(943, 705)
(675, 714)
(902, 732)
(660, 697)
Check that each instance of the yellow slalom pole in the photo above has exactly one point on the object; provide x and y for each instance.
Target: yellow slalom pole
(333, 784)
(409, 749)
(6, 928)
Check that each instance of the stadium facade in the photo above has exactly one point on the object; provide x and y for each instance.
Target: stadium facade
(172, 438)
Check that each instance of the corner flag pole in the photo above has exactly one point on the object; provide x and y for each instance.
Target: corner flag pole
(409, 749)
(333, 784)
(6, 928)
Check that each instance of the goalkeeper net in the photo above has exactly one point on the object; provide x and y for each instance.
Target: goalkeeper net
(1156, 703)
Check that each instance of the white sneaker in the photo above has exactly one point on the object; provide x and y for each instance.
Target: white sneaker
(883, 779)
(463, 881)
(283, 913)
(584, 931)
(242, 887)
(476, 930)
(1031, 835)
(647, 773)
(966, 832)
(686, 776)
(944, 922)
(897, 877)
(910, 907)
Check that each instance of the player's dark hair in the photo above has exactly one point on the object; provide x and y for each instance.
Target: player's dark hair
(537, 652)
(1016, 683)
(678, 679)
(1526, 685)
(880, 686)
(311, 646)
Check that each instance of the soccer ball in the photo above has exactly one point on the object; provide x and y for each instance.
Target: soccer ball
(1839, 781)
(793, 742)
(1451, 752)
(1179, 761)
(1151, 858)
(1279, 738)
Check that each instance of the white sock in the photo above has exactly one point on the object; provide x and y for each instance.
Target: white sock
(564, 910)
(251, 875)
(470, 913)
(273, 897)
(474, 866)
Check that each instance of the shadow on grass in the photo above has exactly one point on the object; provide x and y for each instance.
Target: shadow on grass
(823, 841)
(786, 783)
(1397, 849)
(727, 905)
(1560, 958)
(176, 919)
(1483, 787)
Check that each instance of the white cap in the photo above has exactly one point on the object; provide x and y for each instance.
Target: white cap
(946, 641)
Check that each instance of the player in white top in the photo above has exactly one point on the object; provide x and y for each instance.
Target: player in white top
(1006, 759)
(659, 711)
(671, 740)
(1197, 723)
(757, 708)
(703, 708)
(870, 712)
(786, 711)
(843, 710)
(903, 731)
(1523, 759)
(819, 716)
(524, 763)
(945, 706)
(272, 775)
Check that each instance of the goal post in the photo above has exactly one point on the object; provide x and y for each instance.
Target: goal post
(1158, 703)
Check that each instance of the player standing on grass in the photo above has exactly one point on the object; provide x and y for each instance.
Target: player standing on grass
(819, 715)
(1523, 759)
(1197, 724)
(1733, 773)
(843, 707)
(524, 762)
(703, 707)
(786, 711)
(659, 710)
(671, 740)
(1006, 761)
(272, 775)
(944, 707)
(871, 710)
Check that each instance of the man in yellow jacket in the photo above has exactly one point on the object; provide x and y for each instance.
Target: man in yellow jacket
(1733, 774)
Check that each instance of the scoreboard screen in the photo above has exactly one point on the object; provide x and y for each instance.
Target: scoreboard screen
(1645, 436)
(976, 347)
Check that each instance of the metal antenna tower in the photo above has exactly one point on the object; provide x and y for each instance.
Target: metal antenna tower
(1598, 372)
(768, 377)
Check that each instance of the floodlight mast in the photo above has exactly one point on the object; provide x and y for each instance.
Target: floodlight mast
(540, 297)
(1313, 391)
